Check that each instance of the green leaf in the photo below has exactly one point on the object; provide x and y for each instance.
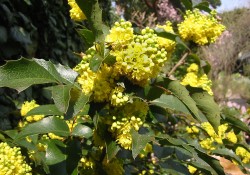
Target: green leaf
(77, 103)
(162, 33)
(74, 155)
(87, 36)
(180, 42)
(82, 131)
(231, 118)
(93, 13)
(228, 153)
(61, 97)
(214, 163)
(207, 105)
(183, 94)
(170, 102)
(139, 142)
(111, 149)
(47, 125)
(44, 110)
(203, 6)
(20, 74)
(188, 4)
(55, 152)
(95, 62)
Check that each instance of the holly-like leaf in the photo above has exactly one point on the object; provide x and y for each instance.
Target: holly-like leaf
(230, 116)
(203, 6)
(44, 110)
(139, 142)
(55, 152)
(182, 94)
(61, 97)
(82, 131)
(170, 102)
(188, 4)
(22, 73)
(162, 33)
(47, 125)
(207, 105)
(87, 36)
(112, 149)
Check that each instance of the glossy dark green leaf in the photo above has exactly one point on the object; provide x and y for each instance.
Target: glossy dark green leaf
(77, 103)
(170, 102)
(45, 110)
(209, 107)
(47, 125)
(139, 142)
(188, 4)
(112, 149)
(96, 62)
(231, 117)
(87, 36)
(73, 155)
(55, 152)
(180, 42)
(203, 6)
(82, 131)
(162, 33)
(228, 153)
(61, 97)
(182, 93)
(21, 74)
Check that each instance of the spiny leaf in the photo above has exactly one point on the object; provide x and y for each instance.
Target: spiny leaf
(82, 131)
(44, 110)
(46, 125)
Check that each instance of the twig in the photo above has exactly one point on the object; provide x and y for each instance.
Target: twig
(180, 62)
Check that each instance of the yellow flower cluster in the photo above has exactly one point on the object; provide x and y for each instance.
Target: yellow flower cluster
(193, 79)
(168, 44)
(200, 28)
(130, 116)
(86, 163)
(117, 97)
(243, 154)
(12, 162)
(192, 129)
(26, 107)
(209, 143)
(75, 11)
(120, 35)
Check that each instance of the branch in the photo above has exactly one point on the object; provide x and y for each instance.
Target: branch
(180, 62)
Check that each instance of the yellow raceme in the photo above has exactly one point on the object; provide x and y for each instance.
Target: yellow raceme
(75, 11)
(200, 28)
(12, 162)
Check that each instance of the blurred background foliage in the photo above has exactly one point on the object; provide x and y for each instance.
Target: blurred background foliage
(43, 29)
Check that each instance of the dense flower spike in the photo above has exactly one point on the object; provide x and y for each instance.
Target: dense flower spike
(118, 98)
(12, 162)
(243, 154)
(120, 35)
(200, 28)
(26, 107)
(215, 139)
(193, 79)
(75, 12)
(130, 116)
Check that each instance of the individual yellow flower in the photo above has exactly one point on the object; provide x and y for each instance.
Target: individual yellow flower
(75, 11)
(12, 162)
(192, 130)
(200, 28)
(192, 169)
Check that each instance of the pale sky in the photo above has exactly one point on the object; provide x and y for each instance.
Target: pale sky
(227, 5)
